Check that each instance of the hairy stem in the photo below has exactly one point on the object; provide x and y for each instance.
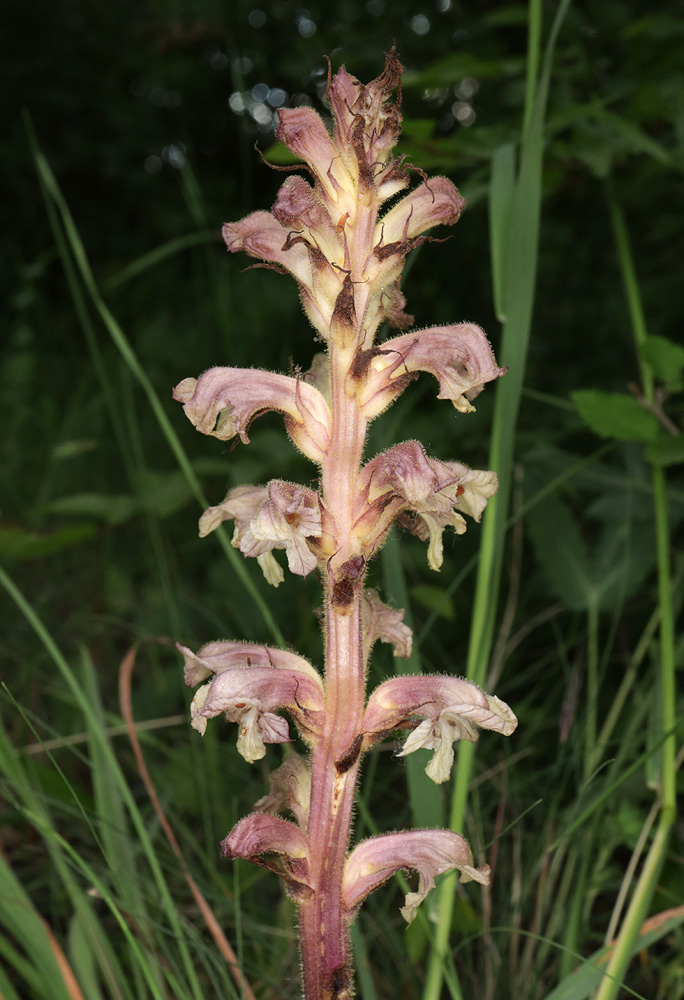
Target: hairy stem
(324, 933)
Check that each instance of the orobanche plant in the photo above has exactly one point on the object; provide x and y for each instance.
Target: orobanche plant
(347, 259)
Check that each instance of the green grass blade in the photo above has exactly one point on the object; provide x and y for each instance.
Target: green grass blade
(518, 297)
(53, 192)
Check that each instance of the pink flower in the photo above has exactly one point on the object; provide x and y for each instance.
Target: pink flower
(290, 789)
(249, 683)
(429, 852)
(224, 401)
(403, 479)
(281, 516)
(384, 623)
(273, 843)
(451, 708)
(459, 357)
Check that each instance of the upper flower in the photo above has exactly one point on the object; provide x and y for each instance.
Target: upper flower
(347, 260)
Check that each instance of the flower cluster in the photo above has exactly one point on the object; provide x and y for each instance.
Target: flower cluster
(346, 252)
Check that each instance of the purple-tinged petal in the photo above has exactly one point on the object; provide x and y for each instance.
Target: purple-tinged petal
(435, 202)
(216, 657)
(225, 400)
(273, 843)
(290, 789)
(261, 235)
(400, 479)
(428, 852)
(303, 132)
(250, 682)
(460, 357)
(384, 623)
(299, 210)
(290, 516)
(342, 94)
(452, 708)
(249, 696)
(281, 516)
(241, 505)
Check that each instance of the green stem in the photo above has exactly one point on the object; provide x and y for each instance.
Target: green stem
(518, 301)
(646, 884)
(631, 285)
(592, 687)
(534, 33)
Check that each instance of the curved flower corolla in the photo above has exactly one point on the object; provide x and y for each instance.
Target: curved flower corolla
(475, 487)
(286, 847)
(289, 789)
(403, 479)
(278, 516)
(429, 852)
(451, 708)
(298, 237)
(379, 621)
(250, 682)
(224, 401)
(460, 357)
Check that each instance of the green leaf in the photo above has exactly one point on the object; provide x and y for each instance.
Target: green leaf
(666, 359)
(668, 450)
(614, 415)
(561, 552)
(434, 599)
(583, 981)
(110, 508)
(20, 543)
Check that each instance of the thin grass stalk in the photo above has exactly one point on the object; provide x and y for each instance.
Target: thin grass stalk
(518, 301)
(53, 192)
(592, 685)
(137, 820)
(646, 884)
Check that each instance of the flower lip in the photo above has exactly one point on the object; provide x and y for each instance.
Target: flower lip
(452, 709)
(460, 357)
(224, 401)
(429, 852)
(273, 843)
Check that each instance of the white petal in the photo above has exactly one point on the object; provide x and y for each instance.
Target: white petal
(197, 720)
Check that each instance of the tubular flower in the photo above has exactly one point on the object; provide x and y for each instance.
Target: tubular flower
(224, 401)
(459, 357)
(384, 623)
(429, 852)
(451, 707)
(404, 481)
(258, 837)
(278, 516)
(249, 683)
(290, 789)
